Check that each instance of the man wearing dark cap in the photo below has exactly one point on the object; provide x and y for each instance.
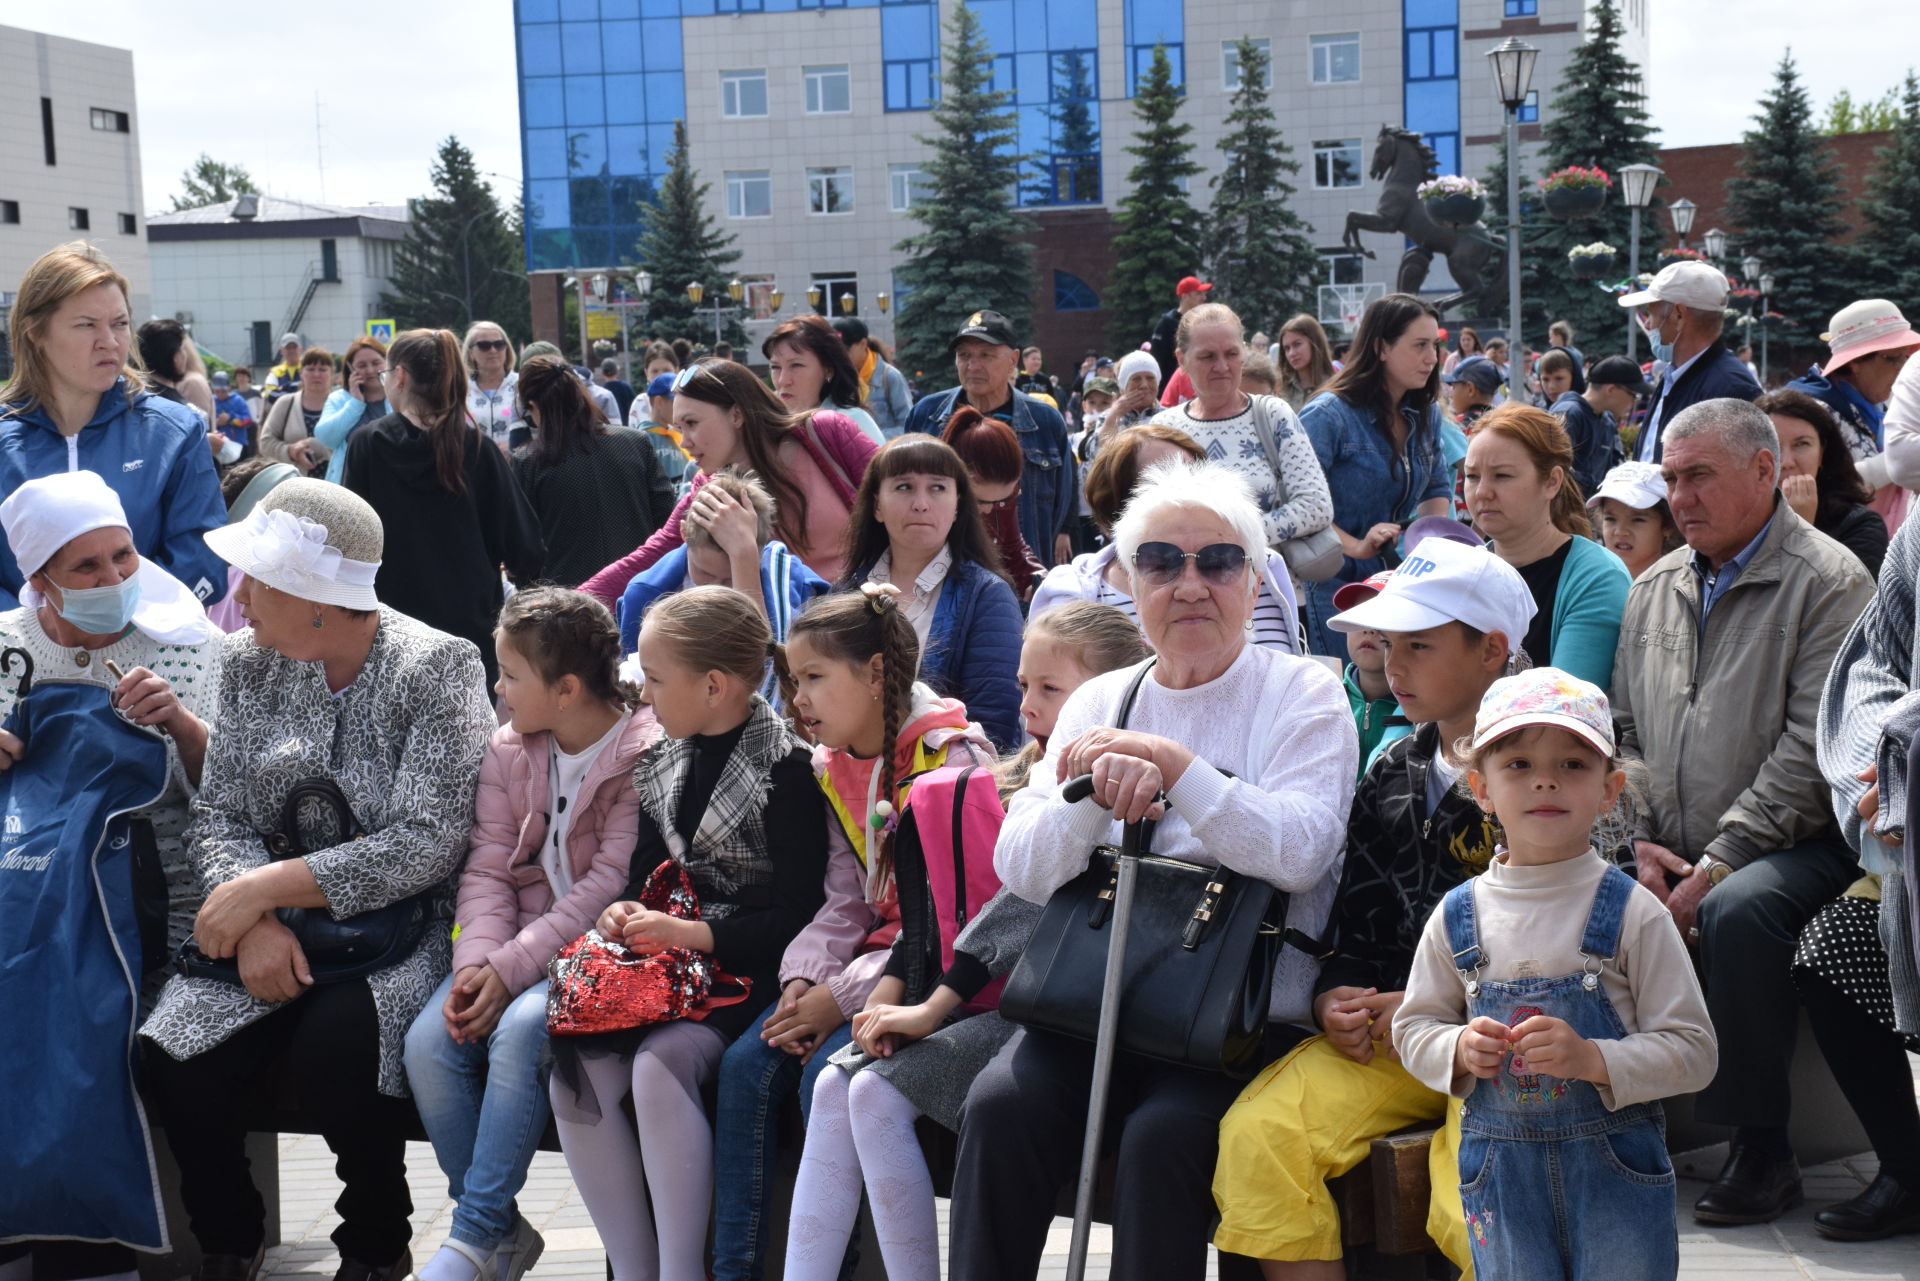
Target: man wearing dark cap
(1593, 417)
(1190, 293)
(984, 353)
(883, 389)
(1470, 389)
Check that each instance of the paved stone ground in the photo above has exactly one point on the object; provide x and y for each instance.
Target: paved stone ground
(1789, 1248)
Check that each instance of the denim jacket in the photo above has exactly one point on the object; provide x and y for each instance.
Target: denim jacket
(1049, 481)
(1368, 484)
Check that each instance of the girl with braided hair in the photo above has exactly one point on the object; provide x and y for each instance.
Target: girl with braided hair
(850, 684)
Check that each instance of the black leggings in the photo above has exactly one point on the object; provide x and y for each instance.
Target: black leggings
(1869, 1061)
(329, 1038)
(71, 1260)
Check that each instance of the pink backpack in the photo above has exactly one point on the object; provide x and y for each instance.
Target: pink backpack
(943, 864)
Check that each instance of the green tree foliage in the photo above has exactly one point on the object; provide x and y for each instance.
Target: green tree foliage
(973, 253)
(211, 182)
(1598, 118)
(1889, 246)
(1845, 115)
(1784, 201)
(1261, 256)
(680, 244)
(462, 259)
(1158, 240)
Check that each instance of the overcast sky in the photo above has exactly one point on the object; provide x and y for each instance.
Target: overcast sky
(395, 79)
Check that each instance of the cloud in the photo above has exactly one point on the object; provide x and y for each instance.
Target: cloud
(238, 81)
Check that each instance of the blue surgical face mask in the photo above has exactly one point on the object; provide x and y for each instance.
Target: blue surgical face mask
(101, 611)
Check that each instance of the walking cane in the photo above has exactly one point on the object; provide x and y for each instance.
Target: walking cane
(1136, 841)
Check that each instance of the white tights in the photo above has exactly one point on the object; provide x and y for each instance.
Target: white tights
(862, 1130)
(660, 1177)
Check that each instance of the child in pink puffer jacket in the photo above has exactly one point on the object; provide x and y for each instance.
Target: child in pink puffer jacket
(554, 828)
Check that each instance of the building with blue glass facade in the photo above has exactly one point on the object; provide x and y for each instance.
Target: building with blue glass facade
(804, 117)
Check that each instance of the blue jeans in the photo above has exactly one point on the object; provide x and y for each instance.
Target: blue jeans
(484, 1107)
(756, 1080)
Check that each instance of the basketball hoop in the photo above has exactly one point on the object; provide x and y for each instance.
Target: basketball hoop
(1350, 319)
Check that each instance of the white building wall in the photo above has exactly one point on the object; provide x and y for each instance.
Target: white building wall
(95, 170)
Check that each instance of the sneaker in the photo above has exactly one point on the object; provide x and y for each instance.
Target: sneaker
(515, 1256)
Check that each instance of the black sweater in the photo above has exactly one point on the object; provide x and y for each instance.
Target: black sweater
(749, 943)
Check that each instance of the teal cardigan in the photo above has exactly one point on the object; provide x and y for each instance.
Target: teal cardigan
(1587, 608)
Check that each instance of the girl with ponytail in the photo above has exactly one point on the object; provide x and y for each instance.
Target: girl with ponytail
(554, 826)
(850, 684)
(452, 512)
(729, 796)
(1524, 500)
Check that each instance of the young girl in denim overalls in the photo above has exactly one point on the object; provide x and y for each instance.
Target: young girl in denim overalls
(1556, 997)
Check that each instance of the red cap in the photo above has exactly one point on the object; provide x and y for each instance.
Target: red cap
(1351, 594)
(1190, 285)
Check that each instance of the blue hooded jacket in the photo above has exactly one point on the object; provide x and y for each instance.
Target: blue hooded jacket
(786, 585)
(152, 453)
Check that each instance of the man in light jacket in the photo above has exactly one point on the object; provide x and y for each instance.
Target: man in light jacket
(1723, 653)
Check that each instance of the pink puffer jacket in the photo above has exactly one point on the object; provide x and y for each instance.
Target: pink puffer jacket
(507, 914)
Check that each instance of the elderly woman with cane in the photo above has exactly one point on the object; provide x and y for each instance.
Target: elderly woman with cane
(334, 811)
(1253, 751)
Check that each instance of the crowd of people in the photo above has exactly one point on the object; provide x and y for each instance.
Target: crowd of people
(538, 746)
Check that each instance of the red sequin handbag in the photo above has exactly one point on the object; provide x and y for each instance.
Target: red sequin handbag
(598, 985)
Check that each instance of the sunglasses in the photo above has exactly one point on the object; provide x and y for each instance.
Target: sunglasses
(688, 374)
(489, 344)
(1162, 563)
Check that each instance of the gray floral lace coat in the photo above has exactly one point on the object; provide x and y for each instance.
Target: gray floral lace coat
(404, 743)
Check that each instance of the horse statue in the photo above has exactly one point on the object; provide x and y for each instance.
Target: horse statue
(1476, 258)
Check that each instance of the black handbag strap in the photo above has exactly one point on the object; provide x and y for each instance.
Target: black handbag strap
(1133, 692)
(287, 842)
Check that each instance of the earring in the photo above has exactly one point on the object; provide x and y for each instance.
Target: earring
(1249, 623)
(318, 622)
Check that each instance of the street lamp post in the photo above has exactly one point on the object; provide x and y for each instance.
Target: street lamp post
(1766, 305)
(1637, 183)
(736, 290)
(1716, 243)
(1682, 212)
(1512, 64)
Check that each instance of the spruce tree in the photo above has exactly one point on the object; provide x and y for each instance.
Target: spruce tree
(680, 244)
(1784, 201)
(1598, 118)
(973, 253)
(1159, 233)
(462, 259)
(1888, 250)
(1262, 259)
(212, 182)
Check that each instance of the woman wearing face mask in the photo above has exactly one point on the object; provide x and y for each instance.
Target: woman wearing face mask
(1376, 430)
(76, 402)
(362, 400)
(810, 369)
(93, 604)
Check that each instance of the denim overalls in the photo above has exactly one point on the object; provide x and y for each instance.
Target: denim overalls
(1553, 1183)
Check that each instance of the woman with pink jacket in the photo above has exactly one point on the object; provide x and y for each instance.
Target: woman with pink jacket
(555, 822)
(810, 462)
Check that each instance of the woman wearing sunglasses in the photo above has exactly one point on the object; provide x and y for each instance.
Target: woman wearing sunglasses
(1101, 576)
(917, 524)
(491, 381)
(810, 462)
(1255, 753)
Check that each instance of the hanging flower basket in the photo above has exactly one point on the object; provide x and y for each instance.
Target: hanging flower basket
(1596, 261)
(1575, 192)
(1453, 201)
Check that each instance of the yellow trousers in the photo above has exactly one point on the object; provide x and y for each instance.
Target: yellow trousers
(1308, 1118)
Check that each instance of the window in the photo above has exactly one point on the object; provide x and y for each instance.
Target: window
(1070, 293)
(830, 190)
(1075, 179)
(749, 193)
(910, 84)
(1343, 268)
(1433, 53)
(743, 94)
(829, 90)
(908, 185)
(1230, 64)
(1530, 109)
(46, 128)
(10, 212)
(330, 260)
(1151, 22)
(262, 343)
(1336, 59)
(129, 225)
(836, 285)
(111, 121)
(1522, 8)
(1336, 164)
(77, 220)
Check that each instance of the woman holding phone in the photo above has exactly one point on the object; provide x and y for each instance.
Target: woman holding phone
(360, 400)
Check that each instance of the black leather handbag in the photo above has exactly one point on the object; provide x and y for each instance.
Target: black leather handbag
(336, 950)
(1199, 959)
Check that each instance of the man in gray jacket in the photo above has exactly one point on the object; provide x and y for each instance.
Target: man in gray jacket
(1723, 653)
